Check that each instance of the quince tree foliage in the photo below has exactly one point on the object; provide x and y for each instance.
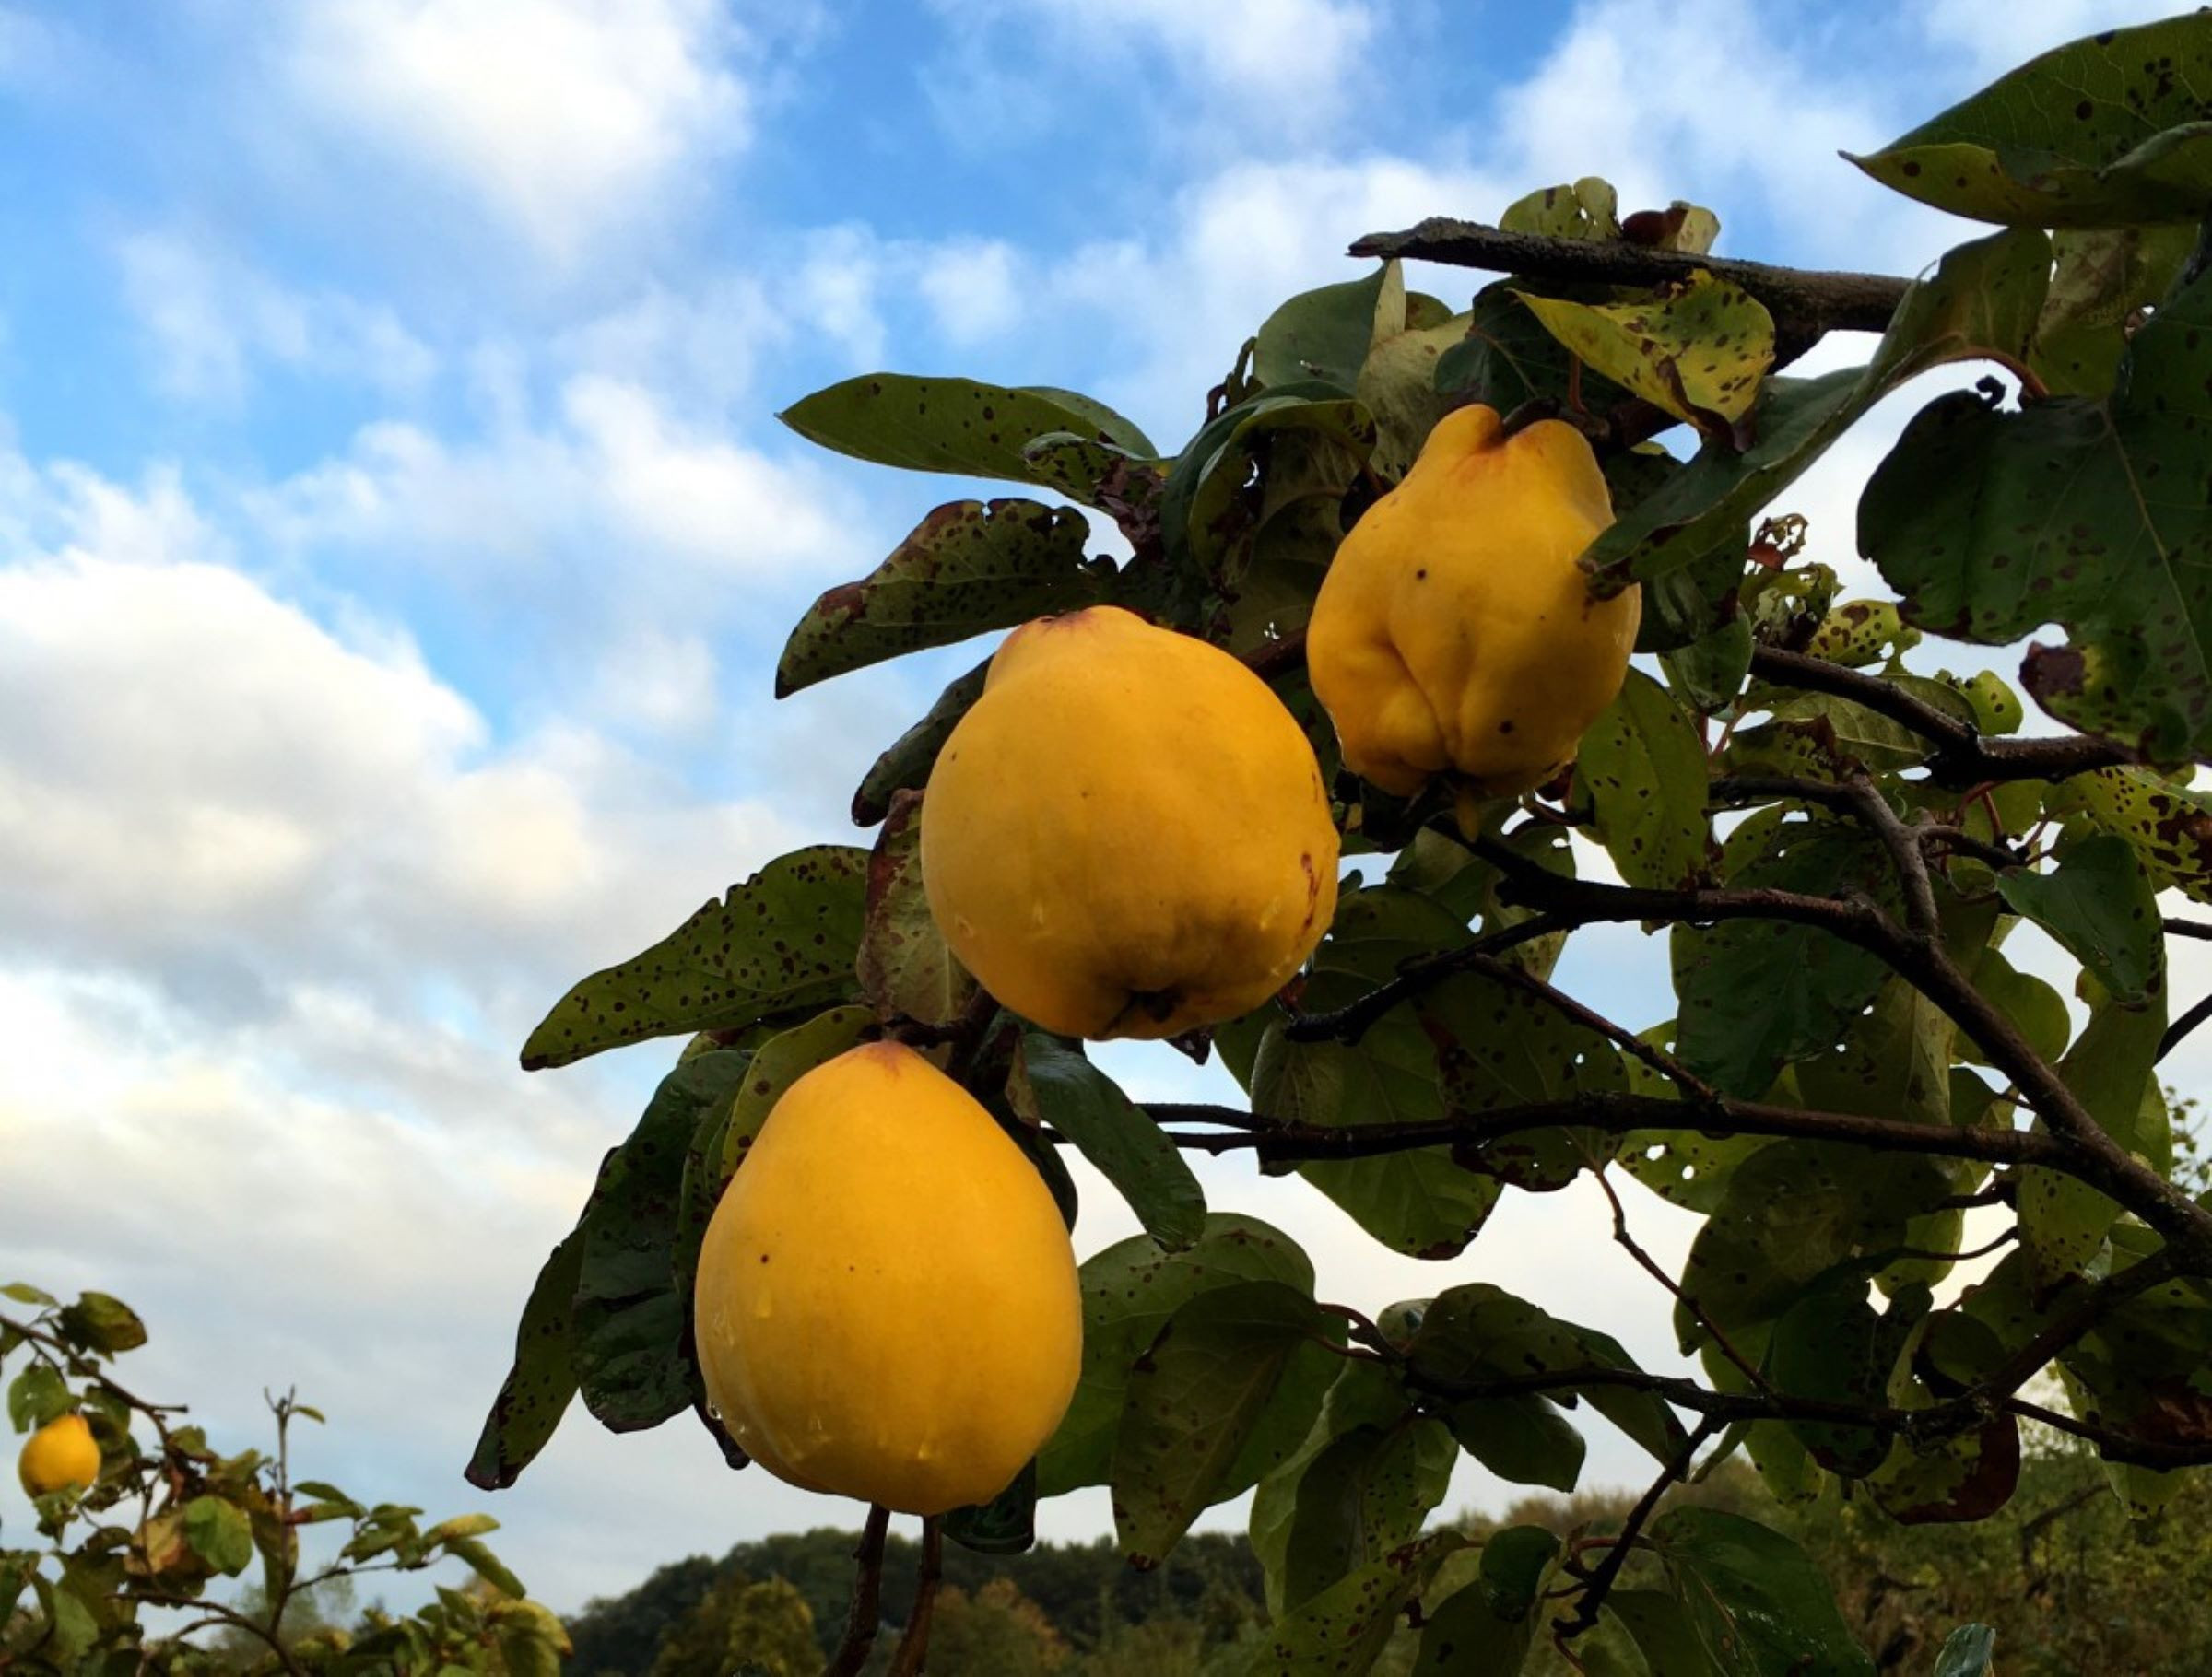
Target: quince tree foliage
(158, 1553)
(1839, 818)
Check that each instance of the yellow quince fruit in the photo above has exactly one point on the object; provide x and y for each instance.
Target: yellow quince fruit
(1454, 633)
(887, 1304)
(1127, 834)
(62, 1455)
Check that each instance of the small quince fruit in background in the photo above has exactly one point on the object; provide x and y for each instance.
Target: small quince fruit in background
(1454, 633)
(62, 1455)
(1127, 835)
(887, 1304)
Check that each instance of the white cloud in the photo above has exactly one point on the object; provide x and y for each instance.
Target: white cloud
(2029, 27)
(212, 321)
(1285, 69)
(564, 118)
(614, 472)
(973, 288)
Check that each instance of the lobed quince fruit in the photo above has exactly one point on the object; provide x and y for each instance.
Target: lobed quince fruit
(1454, 632)
(1127, 835)
(887, 1304)
(62, 1455)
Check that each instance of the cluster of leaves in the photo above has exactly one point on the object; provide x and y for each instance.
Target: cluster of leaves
(171, 1522)
(1843, 846)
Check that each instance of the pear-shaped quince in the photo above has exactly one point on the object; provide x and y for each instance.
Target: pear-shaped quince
(1127, 835)
(887, 1306)
(1454, 632)
(62, 1455)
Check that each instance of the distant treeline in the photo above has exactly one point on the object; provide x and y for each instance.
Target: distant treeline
(2072, 1589)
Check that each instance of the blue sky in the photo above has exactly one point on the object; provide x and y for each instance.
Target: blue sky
(395, 539)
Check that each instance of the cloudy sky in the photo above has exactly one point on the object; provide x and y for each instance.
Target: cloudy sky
(395, 539)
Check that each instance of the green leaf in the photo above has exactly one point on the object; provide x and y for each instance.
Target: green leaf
(1298, 450)
(1522, 1437)
(1757, 994)
(1362, 1497)
(952, 425)
(36, 1396)
(1757, 1604)
(1397, 384)
(1969, 1475)
(72, 1630)
(1074, 1097)
(101, 1323)
(1793, 1211)
(485, 1565)
(1708, 672)
(1969, 1651)
(1833, 1346)
(2094, 514)
(2110, 1069)
(219, 1533)
(783, 941)
(1195, 1401)
(2104, 277)
(460, 1526)
(1321, 334)
(538, 1386)
(629, 1314)
(1490, 1625)
(1505, 358)
(904, 964)
(1642, 765)
(1698, 350)
(23, 1292)
(1130, 1290)
(1005, 1525)
(1983, 300)
(1589, 209)
(2101, 910)
(1346, 1627)
(969, 568)
(2112, 129)
(2170, 825)
(1477, 1332)
(1662, 1632)
(905, 764)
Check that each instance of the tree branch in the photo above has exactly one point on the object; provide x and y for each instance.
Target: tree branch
(1351, 1022)
(913, 1647)
(1612, 1112)
(1805, 302)
(865, 1616)
(1616, 1555)
(1962, 757)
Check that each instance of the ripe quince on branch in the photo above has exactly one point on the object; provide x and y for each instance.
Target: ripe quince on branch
(62, 1455)
(1127, 835)
(1455, 634)
(887, 1304)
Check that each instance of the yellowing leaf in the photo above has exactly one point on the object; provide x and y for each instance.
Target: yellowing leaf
(1698, 350)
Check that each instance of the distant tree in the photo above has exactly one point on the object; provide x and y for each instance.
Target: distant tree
(997, 1632)
(771, 1632)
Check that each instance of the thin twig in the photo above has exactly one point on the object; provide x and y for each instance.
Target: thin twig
(1624, 1542)
(1351, 1022)
(1905, 853)
(913, 1647)
(1649, 1266)
(865, 1616)
(1271, 658)
(2182, 1027)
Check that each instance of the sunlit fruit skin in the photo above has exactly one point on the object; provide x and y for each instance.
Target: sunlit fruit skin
(887, 1306)
(1454, 632)
(1127, 835)
(60, 1456)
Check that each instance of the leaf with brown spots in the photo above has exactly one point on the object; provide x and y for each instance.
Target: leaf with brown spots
(781, 942)
(969, 568)
(956, 424)
(2102, 132)
(1699, 348)
(2096, 515)
(2170, 825)
(905, 966)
